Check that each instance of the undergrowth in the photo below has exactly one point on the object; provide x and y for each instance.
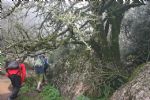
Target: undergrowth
(29, 85)
(49, 92)
(103, 78)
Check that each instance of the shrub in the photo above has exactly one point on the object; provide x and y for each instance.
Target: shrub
(29, 85)
(50, 93)
(82, 97)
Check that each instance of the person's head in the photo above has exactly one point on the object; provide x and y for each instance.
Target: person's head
(43, 55)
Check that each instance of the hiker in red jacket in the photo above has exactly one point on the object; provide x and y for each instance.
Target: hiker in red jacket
(17, 77)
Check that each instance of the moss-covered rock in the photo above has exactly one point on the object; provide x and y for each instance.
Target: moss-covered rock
(136, 89)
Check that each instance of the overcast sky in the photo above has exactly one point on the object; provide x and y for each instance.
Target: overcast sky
(28, 21)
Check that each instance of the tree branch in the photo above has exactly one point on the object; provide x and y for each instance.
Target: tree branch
(13, 9)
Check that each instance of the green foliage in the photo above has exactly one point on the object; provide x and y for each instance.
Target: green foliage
(29, 85)
(103, 77)
(106, 90)
(24, 98)
(50, 93)
(82, 97)
(112, 82)
(1, 58)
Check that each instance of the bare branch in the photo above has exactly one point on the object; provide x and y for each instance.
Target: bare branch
(13, 9)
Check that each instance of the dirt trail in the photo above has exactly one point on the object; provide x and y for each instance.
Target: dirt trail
(4, 88)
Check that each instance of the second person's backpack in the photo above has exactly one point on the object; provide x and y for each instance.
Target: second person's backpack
(38, 62)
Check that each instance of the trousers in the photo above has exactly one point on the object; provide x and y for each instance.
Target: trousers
(16, 83)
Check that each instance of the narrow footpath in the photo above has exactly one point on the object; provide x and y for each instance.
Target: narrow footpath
(4, 88)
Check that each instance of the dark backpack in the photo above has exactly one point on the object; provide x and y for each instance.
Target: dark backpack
(46, 64)
(13, 65)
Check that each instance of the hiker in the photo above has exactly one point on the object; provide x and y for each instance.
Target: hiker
(39, 70)
(16, 72)
(46, 65)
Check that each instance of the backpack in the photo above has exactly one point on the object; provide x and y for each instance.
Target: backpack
(46, 64)
(13, 65)
(38, 62)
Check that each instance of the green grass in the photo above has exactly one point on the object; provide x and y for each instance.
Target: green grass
(82, 97)
(49, 92)
(2, 64)
(29, 85)
(1, 59)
